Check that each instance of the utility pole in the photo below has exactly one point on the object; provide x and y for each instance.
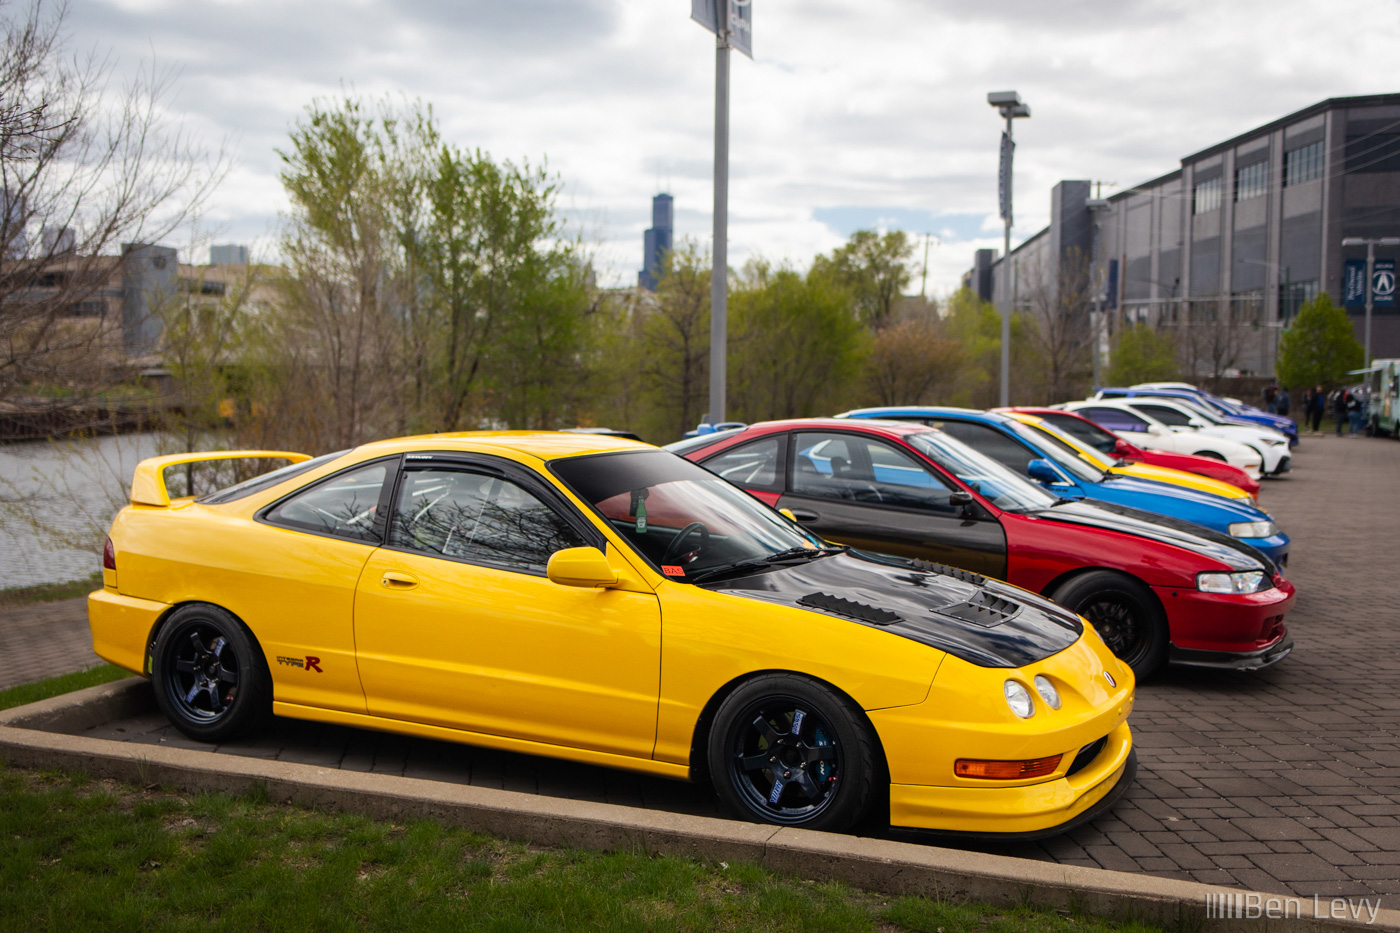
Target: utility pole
(732, 23)
(923, 281)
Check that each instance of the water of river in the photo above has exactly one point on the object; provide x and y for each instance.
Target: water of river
(71, 490)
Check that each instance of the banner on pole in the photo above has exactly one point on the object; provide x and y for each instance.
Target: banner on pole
(1008, 149)
(1354, 284)
(1383, 284)
(734, 17)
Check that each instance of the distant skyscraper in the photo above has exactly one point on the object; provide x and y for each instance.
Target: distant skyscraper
(228, 255)
(657, 241)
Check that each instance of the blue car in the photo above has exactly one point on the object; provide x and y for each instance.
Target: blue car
(1063, 472)
(1226, 410)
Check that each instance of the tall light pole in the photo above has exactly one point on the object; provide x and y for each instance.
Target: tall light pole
(1371, 243)
(732, 23)
(1009, 104)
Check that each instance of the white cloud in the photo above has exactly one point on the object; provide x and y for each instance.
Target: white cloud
(876, 107)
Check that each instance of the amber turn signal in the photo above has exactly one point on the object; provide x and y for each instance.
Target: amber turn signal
(1006, 770)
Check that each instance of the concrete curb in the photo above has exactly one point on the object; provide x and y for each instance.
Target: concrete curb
(871, 864)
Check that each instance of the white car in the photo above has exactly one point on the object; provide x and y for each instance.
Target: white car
(1143, 430)
(1181, 415)
(1181, 385)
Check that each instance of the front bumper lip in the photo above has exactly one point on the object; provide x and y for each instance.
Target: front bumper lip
(1233, 660)
(1126, 775)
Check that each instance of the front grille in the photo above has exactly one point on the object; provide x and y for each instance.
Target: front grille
(983, 609)
(1086, 756)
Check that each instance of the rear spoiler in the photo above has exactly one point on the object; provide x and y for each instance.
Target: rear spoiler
(148, 483)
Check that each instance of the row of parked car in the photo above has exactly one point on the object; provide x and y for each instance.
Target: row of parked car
(1159, 542)
(599, 600)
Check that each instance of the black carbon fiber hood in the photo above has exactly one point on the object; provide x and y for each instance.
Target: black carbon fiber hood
(984, 622)
(1232, 552)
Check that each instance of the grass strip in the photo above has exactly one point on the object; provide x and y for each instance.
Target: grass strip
(17, 596)
(64, 683)
(80, 854)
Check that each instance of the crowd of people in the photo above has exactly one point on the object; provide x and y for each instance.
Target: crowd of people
(1348, 407)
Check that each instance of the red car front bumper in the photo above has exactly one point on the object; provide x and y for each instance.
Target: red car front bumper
(1244, 632)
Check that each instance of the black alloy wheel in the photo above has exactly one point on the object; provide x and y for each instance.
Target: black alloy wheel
(211, 680)
(788, 750)
(1124, 614)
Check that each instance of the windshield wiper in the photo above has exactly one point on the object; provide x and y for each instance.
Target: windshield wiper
(792, 553)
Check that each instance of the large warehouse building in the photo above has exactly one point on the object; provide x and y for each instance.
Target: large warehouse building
(1227, 246)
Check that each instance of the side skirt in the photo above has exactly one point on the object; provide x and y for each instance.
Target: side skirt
(503, 743)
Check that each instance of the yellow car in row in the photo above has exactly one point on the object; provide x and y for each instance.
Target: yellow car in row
(599, 600)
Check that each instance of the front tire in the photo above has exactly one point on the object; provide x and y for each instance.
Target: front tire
(790, 751)
(1212, 455)
(1124, 613)
(210, 677)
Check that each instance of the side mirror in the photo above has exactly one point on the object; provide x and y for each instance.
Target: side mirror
(1043, 472)
(788, 514)
(1122, 448)
(580, 566)
(1157, 429)
(962, 500)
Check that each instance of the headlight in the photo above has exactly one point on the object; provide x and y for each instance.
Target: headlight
(1047, 691)
(1248, 581)
(1253, 530)
(1019, 699)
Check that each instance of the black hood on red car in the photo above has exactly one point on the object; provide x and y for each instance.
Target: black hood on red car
(984, 622)
(1231, 552)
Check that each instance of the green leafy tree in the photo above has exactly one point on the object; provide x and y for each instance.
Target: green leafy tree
(1319, 348)
(1142, 353)
(796, 346)
(874, 267)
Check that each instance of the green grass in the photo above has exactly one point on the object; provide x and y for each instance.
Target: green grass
(66, 683)
(48, 592)
(77, 854)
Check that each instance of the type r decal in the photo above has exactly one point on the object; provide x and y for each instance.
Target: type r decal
(308, 663)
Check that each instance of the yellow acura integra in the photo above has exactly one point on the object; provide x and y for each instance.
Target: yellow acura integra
(603, 601)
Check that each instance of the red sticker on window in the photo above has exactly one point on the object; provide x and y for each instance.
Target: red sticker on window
(671, 570)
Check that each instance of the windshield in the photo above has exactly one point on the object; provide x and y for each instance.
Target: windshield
(1057, 451)
(994, 482)
(681, 517)
(1053, 434)
(1086, 431)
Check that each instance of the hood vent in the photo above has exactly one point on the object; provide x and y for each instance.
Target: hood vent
(984, 609)
(849, 608)
(967, 576)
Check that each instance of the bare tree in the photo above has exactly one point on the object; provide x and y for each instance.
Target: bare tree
(1059, 335)
(85, 171)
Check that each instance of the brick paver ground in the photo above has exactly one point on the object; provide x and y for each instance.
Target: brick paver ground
(44, 640)
(1285, 781)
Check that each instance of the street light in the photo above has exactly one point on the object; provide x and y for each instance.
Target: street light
(1370, 243)
(1011, 107)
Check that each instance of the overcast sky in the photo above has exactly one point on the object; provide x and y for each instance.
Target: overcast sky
(853, 113)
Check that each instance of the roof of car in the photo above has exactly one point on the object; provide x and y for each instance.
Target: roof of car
(884, 425)
(546, 445)
(893, 412)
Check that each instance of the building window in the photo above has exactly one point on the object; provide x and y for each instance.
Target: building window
(1293, 296)
(1251, 181)
(1207, 196)
(1302, 164)
(1247, 307)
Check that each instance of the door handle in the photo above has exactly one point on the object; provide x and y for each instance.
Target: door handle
(400, 581)
(803, 515)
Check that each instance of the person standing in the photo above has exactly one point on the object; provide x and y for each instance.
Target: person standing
(1354, 412)
(1317, 405)
(1283, 402)
(1339, 408)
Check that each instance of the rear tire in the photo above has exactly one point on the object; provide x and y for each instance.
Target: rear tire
(1124, 613)
(770, 766)
(210, 677)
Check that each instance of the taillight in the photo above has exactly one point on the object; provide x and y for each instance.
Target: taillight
(109, 555)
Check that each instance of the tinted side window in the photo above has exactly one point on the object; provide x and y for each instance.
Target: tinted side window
(755, 465)
(1113, 419)
(991, 442)
(344, 505)
(478, 518)
(827, 467)
(1084, 432)
(1165, 415)
(901, 480)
